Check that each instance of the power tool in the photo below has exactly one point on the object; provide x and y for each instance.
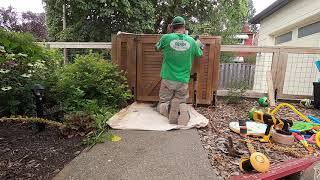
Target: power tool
(281, 125)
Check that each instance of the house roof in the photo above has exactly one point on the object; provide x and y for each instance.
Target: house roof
(269, 11)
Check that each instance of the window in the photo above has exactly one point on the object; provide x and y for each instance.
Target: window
(309, 29)
(284, 38)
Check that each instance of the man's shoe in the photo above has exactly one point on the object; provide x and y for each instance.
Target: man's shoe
(184, 117)
(174, 111)
(164, 109)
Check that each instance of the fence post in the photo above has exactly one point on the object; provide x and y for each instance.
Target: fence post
(275, 71)
(281, 72)
(114, 49)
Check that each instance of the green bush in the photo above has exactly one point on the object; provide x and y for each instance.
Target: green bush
(91, 79)
(22, 64)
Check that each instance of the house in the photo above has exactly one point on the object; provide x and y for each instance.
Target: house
(246, 37)
(289, 23)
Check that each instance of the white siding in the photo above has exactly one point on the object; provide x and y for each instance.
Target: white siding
(296, 14)
(301, 71)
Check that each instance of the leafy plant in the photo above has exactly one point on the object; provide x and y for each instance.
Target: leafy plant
(95, 87)
(236, 92)
(91, 79)
(22, 64)
(78, 123)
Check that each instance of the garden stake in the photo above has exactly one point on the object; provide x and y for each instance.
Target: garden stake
(231, 150)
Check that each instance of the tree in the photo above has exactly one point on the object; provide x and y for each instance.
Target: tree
(226, 18)
(251, 13)
(33, 23)
(97, 20)
(9, 19)
(192, 10)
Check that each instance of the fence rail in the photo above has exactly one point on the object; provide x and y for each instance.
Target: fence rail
(77, 45)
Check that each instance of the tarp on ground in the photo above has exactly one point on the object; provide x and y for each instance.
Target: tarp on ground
(143, 116)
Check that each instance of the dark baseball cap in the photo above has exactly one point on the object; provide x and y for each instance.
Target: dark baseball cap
(178, 20)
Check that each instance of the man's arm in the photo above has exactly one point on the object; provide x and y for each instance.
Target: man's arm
(160, 44)
(197, 49)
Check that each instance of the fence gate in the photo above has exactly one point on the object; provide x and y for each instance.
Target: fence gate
(136, 54)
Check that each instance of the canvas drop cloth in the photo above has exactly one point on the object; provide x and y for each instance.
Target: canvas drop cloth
(142, 116)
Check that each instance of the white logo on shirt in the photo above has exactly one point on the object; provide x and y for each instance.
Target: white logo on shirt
(180, 45)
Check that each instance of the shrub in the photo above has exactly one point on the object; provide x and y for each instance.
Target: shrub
(89, 79)
(22, 64)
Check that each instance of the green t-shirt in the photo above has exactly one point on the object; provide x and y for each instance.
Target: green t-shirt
(179, 50)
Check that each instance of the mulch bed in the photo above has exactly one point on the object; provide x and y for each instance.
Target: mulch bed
(215, 136)
(26, 154)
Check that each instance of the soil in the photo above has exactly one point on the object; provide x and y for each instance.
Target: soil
(27, 154)
(215, 136)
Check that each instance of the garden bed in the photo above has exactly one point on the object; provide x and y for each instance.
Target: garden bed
(25, 154)
(215, 136)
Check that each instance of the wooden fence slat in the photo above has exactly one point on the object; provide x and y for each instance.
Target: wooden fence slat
(235, 73)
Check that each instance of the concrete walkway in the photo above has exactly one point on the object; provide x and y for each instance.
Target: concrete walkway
(143, 155)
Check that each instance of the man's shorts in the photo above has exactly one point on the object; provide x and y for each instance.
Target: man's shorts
(173, 89)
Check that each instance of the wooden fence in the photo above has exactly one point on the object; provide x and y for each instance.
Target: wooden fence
(292, 69)
(231, 73)
(136, 54)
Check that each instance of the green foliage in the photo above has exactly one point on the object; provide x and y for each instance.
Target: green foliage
(95, 87)
(97, 20)
(78, 123)
(250, 59)
(251, 13)
(90, 79)
(236, 92)
(22, 64)
(91, 122)
(227, 57)
(226, 18)
(33, 23)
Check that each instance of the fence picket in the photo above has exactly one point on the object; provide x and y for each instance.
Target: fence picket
(236, 72)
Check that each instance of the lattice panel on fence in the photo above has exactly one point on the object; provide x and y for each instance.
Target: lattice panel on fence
(301, 72)
(263, 64)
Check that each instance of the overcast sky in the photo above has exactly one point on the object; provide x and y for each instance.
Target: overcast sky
(36, 5)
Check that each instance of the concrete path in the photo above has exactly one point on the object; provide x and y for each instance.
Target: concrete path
(143, 155)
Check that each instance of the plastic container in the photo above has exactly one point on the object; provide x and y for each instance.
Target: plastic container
(316, 94)
(318, 64)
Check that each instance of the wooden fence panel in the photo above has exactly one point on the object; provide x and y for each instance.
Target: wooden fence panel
(124, 55)
(148, 67)
(236, 72)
